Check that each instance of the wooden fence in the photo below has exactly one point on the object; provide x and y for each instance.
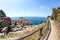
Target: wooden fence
(42, 33)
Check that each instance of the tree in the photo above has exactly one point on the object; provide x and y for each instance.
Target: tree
(54, 14)
(58, 15)
(6, 20)
(2, 14)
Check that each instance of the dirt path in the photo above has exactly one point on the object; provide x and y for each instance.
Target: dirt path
(55, 31)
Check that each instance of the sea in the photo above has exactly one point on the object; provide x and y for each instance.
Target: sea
(34, 20)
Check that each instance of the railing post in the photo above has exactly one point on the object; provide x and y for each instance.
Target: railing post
(41, 31)
(40, 34)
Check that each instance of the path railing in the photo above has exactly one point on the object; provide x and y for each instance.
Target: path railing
(43, 29)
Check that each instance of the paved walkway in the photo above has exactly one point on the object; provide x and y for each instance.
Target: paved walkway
(55, 31)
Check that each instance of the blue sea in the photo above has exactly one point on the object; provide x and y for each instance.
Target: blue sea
(34, 20)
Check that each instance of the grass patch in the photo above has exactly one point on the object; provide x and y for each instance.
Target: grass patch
(29, 29)
(33, 36)
(18, 33)
(1, 36)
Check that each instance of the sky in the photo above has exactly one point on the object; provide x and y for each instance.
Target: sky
(35, 8)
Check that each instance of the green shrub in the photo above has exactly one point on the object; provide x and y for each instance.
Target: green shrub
(6, 22)
(2, 14)
(52, 17)
(42, 22)
(1, 36)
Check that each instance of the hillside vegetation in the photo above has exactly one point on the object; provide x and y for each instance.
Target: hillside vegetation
(55, 14)
(4, 20)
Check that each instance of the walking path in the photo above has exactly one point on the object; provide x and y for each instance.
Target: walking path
(55, 31)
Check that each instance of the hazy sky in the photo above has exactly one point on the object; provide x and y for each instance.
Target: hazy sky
(14, 8)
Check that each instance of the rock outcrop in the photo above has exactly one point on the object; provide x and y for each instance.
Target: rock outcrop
(12, 24)
(23, 21)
